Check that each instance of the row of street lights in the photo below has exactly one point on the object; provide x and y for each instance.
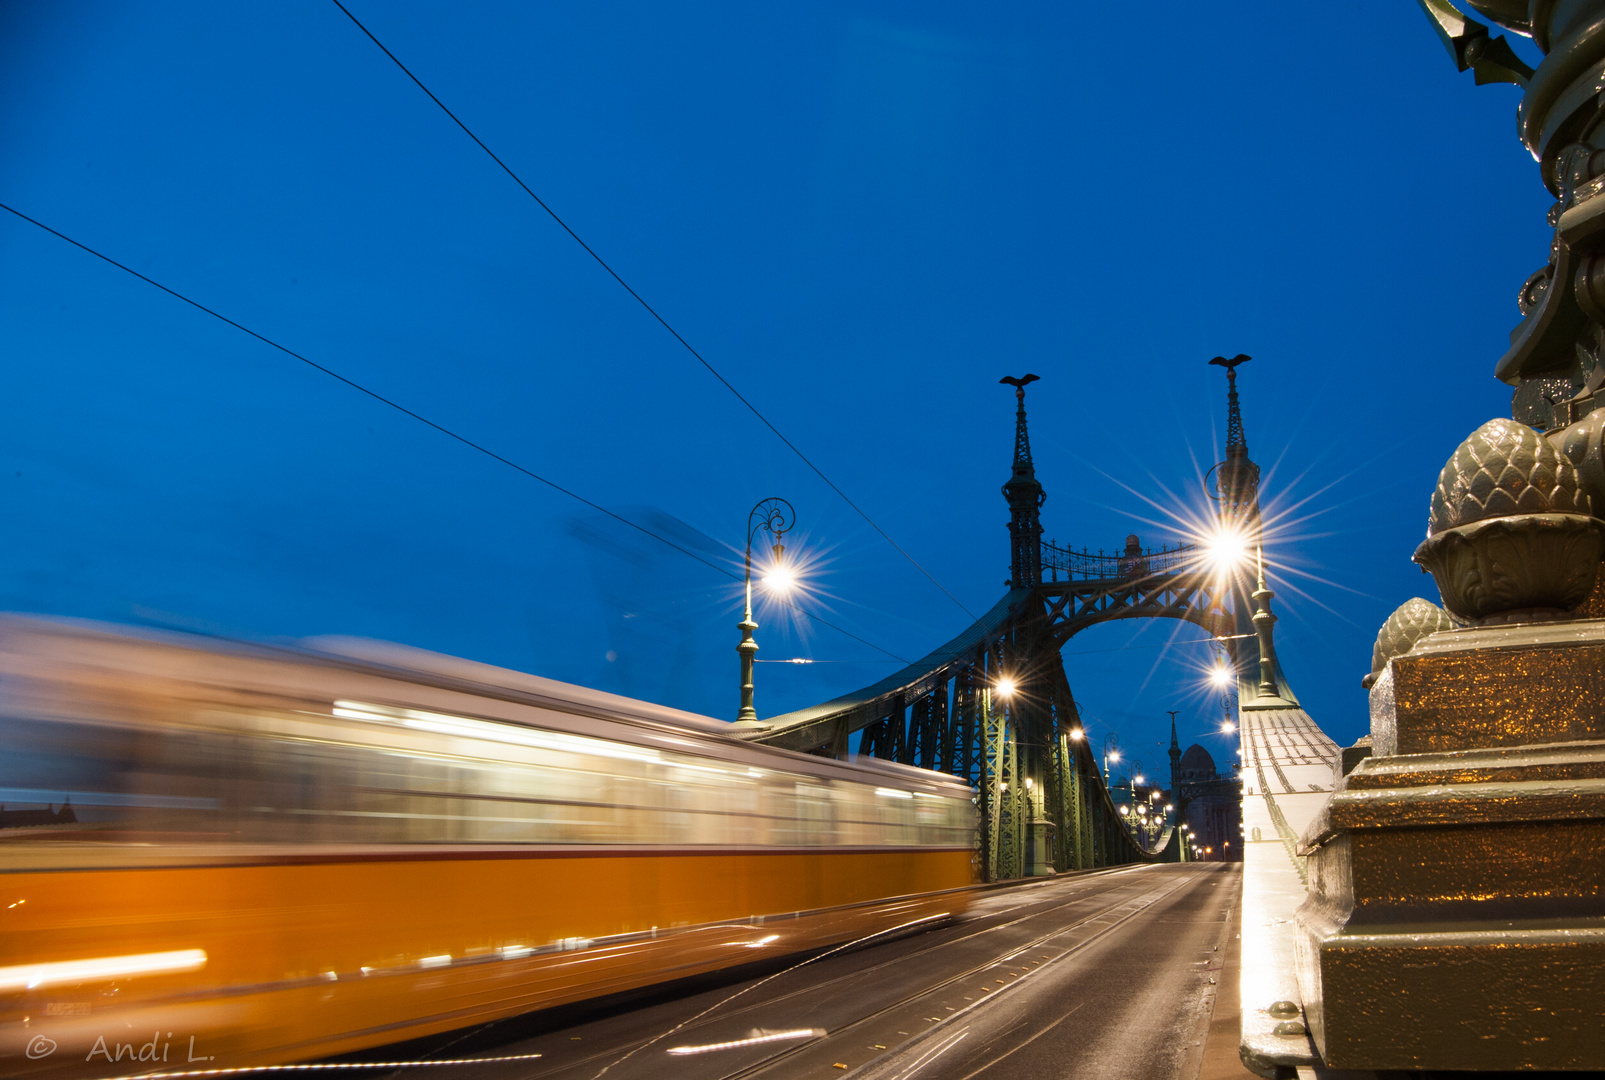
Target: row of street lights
(776, 516)
(1227, 548)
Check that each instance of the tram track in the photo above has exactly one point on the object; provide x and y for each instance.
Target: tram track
(780, 1057)
(897, 1000)
(1094, 884)
(1132, 1001)
(890, 1064)
(906, 958)
(1098, 886)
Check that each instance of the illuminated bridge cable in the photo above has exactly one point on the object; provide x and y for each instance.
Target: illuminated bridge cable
(430, 423)
(649, 308)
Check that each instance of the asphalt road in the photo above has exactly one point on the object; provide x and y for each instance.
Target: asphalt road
(1102, 974)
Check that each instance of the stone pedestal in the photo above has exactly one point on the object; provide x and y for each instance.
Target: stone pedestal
(1456, 916)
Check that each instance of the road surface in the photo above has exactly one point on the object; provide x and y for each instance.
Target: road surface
(1101, 974)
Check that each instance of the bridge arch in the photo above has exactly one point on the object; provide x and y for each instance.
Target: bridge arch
(1044, 802)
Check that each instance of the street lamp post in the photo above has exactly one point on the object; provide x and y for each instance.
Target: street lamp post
(1132, 783)
(777, 516)
(1111, 752)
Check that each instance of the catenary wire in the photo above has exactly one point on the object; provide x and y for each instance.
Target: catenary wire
(429, 423)
(650, 309)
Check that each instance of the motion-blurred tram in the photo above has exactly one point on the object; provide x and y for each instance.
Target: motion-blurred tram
(217, 854)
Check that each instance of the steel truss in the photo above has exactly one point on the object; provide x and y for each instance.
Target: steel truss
(1043, 802)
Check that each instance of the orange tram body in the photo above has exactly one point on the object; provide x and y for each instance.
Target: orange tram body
(216, 855)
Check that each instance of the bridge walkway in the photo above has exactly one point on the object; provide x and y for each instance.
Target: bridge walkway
(1289, 768)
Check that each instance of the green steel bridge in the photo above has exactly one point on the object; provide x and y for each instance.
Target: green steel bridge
(994, 705)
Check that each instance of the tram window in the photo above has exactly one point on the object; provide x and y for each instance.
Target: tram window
(266, 776)
(815, 820)
(62, 770)
(677, 814)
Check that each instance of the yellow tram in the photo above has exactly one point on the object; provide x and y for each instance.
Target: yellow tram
(216, 854)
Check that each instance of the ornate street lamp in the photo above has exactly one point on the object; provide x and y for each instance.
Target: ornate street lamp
(1111, 752)
(777, 516)
(1133, 779)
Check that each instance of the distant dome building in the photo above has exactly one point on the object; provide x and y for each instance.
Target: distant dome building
(1197, 766)
(1208, 803)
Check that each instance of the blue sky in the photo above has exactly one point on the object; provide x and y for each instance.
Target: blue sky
(861, 214)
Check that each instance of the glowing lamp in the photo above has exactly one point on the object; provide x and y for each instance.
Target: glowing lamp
(1226, 548)
(779, 578)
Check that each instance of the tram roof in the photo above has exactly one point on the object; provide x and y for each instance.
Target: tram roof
(390, 654)
(386, 656)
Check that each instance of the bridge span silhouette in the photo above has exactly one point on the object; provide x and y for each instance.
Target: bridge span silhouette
(995, 707)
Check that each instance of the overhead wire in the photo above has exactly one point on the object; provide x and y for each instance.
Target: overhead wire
(428, 422)
(649, 308)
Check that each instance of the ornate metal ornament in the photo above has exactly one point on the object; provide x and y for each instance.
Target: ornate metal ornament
(1504, 469)
(1410, 622)
(1511, 535)
(1525, 568)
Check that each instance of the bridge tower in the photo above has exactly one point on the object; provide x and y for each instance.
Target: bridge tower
(1175, 764)
(1015, 779)
(1236, 489)
(1025, 498)
(1236, 478)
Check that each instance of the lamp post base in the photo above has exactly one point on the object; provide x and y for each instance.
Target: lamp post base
(1457, 877)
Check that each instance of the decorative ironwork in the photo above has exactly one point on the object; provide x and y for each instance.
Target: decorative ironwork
(1125, 565)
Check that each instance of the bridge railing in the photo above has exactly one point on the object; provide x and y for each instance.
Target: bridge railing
(1120, 565)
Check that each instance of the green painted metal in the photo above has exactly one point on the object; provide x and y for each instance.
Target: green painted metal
(1043, 802)
(994, 736)
(1011, 827)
